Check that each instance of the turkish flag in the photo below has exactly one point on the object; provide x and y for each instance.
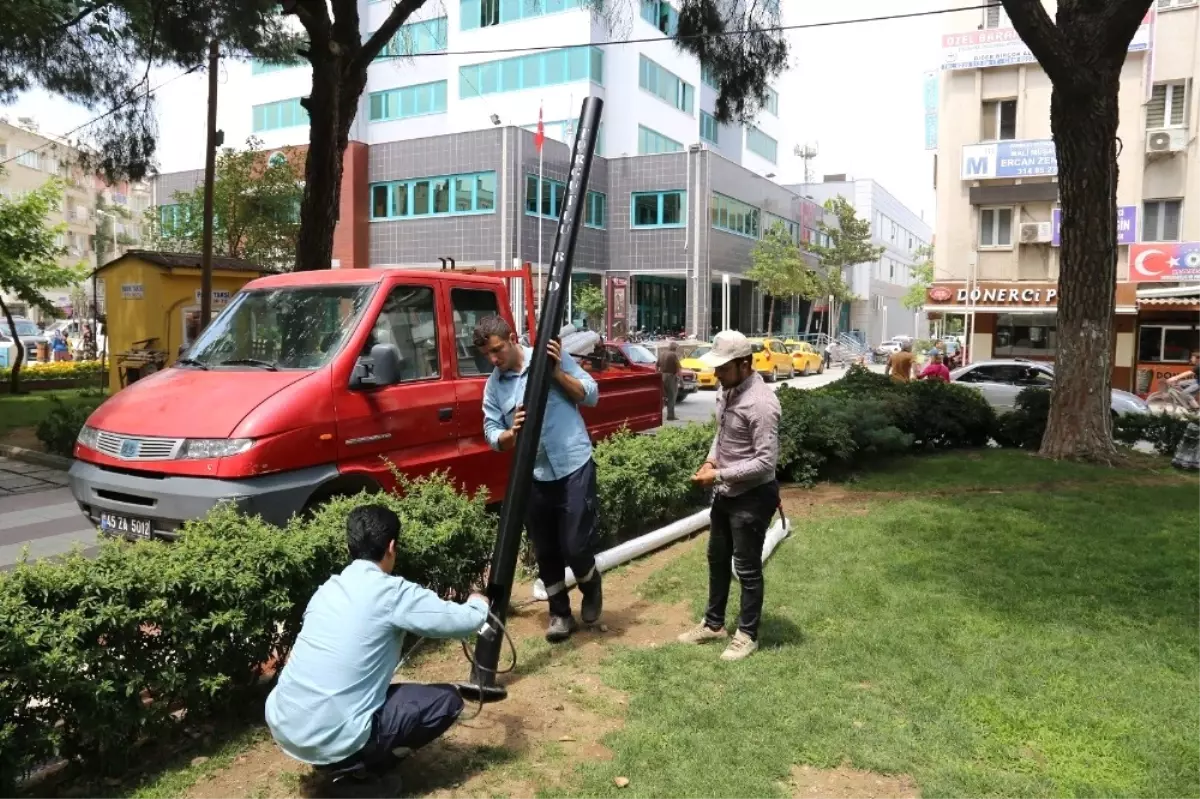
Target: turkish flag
(540, 138)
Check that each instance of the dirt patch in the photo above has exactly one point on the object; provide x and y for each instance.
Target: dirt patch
(824, 498)
(845, 782)
(23, 437)
(558, 709)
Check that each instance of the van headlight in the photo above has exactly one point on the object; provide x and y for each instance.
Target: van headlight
(89, 437)
(201, 448)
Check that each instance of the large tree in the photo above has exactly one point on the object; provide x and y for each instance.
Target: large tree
(29, 258)
(1083, 51)
(95, 51)
(778, 268)
(256, 206)
(922, 278)
(849, 244)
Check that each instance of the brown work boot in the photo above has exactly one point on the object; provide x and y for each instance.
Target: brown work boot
(701, 634)
(741, 647)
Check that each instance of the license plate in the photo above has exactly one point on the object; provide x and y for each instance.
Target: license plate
(118, 524)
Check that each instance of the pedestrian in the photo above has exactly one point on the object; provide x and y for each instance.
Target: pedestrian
(828, 356)
(936, 370)
(334, 706)
(1189, 380)
(59, 346)
(563, 502)
(740, 469)
(900, 364)
(668, 367)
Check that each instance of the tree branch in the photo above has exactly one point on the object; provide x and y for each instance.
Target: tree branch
(83, 14)
(1122, 18)
(372, 47)
(1043, 38)
(314, 16)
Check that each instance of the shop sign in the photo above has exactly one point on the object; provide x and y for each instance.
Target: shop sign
(133, 291)
(1153, 377)
(1006, 294)
(1001, 47)
(1126, 225)
(219, 298)
(1159, 261)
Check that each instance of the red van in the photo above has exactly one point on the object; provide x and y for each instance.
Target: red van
(307, 386)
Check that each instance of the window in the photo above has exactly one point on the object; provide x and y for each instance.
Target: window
(999, 120)
(709, 78)
(469, 306)
(1175, 3)
(994, 16)
(1168, 105)
(657, 209)
(532, 71)
(761, 144)
(1160, 220)
(792, 228)
(548, 202)
(595, 212)
(772, 103)
(485, 13)
(661, 15)
(1167, 343)
(1025, 336)
(652, 142)
(439, 196)
(427, 36)
(29, 158)
(665, 85)
(408, 101)
(709, 129)
(172, 218)
(995, 227)
(407, 322)
(734, 216)
(281, 114)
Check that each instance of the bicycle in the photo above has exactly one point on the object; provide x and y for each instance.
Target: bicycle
(1175, 399)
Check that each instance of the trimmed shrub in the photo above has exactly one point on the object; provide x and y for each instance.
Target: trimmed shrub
(1163, 431)
(61, 426)
(822, 435)
(55, 370)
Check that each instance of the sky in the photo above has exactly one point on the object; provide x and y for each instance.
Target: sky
(853, 91)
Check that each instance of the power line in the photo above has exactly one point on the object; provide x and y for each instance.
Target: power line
(106, 114)
(655, 39)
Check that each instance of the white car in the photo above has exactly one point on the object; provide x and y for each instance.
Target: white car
(1001, 381)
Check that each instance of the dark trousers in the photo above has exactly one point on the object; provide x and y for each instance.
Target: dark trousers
(828, 358)
(737, 530)
(413, 715)
(671, 391)
(562, 524)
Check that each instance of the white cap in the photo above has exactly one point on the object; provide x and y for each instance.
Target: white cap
(729, 345)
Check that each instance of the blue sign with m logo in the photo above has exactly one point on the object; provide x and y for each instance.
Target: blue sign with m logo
(978, 166)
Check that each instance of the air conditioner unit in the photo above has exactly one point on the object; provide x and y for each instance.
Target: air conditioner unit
(1036, 232)
(1166, 140)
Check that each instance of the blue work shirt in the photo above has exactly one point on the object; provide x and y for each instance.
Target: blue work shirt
(565, 446)
(349, 645)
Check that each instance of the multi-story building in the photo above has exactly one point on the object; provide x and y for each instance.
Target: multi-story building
(442, 161)
(998, 201)
(878, 313)
(32, 159)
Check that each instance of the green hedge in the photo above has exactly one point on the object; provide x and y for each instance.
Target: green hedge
(96, 654)
(61, 425)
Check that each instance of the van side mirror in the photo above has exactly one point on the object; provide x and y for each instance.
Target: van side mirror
(380, 368)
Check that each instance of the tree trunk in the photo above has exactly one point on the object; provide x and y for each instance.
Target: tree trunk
(14, 376)
(1084, 124)
(771, 315)
(331, 108)
(812, 304)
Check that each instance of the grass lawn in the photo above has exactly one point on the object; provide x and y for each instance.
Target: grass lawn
(1022, 643)
(26, 410)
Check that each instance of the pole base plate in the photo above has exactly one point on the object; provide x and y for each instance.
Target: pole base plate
(473, 692)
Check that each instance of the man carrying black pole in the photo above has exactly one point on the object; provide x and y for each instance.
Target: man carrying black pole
(562, 513)
(741, 470)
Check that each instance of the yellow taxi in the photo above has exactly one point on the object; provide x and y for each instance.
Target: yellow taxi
(772, 359)
(806, 359)
(706, 377)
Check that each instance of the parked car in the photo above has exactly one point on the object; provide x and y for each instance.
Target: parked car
(1000, 381)
(28, 333)
(772, 359)
(706, 376)
(806, 360)
(637, 356)
(315, 385)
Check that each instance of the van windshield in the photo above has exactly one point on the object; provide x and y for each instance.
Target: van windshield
(24, 328)
(284, 328)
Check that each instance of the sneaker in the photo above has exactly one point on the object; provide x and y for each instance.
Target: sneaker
(593, 600)
(741, 647)
(702, 633)
(560, 628)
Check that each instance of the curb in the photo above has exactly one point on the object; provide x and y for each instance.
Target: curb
(34, 457)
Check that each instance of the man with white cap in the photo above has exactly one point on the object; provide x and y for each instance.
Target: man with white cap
(741, 470)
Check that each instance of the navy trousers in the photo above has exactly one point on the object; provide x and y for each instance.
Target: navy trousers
(413, 715)
(562, 523)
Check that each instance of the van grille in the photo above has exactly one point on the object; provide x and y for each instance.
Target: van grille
(127, 448)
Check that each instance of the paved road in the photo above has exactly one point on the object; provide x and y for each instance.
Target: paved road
(701, 406)
(37, 511)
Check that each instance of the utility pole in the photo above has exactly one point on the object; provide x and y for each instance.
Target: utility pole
(210, 169)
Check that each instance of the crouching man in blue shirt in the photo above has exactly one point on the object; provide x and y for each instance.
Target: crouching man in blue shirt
(334, 706)
(562, 515)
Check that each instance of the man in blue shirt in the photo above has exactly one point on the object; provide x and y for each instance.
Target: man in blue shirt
(333, 705)
(563, 501)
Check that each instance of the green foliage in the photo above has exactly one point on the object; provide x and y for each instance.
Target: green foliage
(58, 370)
(645, 480)
(1163, 430)
(922, 277)
(849, 244)
(589, 299)
(777, 267)
(62, 424)
(256, 209)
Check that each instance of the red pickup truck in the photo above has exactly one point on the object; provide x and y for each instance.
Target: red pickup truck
(305, 388)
